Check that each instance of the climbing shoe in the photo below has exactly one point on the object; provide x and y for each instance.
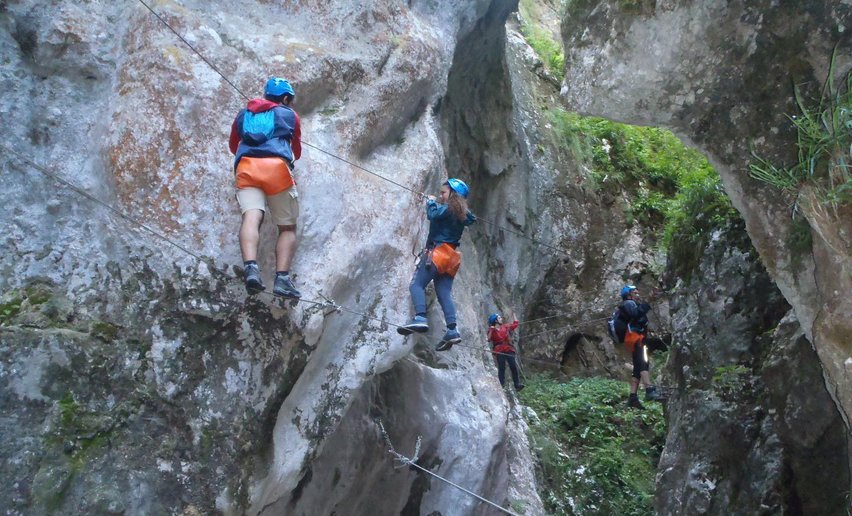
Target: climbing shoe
(633, 402)
(519, 388)
(417, 325)
(450, 338)
(254, 284)
(284, 287)
(652, 394)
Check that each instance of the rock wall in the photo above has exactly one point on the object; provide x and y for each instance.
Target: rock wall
(557, 249)
(720, 75)
(751, 426)
(136, 375)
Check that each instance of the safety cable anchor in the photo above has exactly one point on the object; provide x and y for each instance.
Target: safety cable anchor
(329, 305)
(402, 459)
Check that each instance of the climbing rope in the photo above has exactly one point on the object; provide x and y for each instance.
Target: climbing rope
(405, 461)
(562, 328)
(325, 303)
(550, 247)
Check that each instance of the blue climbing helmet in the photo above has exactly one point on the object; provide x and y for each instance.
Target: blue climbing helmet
(458, 186)
(276, 86)
(492, 319)
(626, 290)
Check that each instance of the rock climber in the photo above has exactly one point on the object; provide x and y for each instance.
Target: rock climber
(502, 348)
(440, 260)
(630, 323)
(266, 141)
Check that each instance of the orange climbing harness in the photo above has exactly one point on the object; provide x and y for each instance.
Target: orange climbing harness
(632, 339)
(446, 259)
(272, 175)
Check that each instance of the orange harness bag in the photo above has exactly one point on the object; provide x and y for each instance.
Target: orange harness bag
(446, 259)
(631, 339)
(272, 175)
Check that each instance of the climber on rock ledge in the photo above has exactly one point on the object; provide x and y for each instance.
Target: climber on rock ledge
(439, 261)
(266, 141)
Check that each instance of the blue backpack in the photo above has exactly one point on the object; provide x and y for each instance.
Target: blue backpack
(258, 127)
(610, 326)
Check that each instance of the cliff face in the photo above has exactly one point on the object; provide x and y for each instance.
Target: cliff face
(720, 75)
(751, 426)
(136, 375)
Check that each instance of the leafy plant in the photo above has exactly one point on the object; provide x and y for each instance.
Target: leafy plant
(823, 143)
(731, 379)
(671, 190)
(596, 455)
(547, 48)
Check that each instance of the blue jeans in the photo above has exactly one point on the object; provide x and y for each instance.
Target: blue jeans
(443, 288)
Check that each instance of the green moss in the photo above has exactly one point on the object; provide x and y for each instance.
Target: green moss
(518, 506)
(10, 307)
(731, 380)
(542, 42)
(592, 449)
(38, 294)
(104, 330)
(672, 190)
(50, 486)
(799, 241)
(68, 410)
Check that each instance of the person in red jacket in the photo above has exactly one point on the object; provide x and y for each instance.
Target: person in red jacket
(502, 348)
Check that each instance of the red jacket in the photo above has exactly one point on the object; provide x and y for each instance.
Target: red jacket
(499, 338)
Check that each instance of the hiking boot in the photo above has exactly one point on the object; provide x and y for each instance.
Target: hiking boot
(419, 325)
(284, 287)
(652, 394)
(254, 284)
(633, 402)
(450, 338)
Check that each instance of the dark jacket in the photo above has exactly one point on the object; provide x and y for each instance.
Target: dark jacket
(632, 315)
(444, 228)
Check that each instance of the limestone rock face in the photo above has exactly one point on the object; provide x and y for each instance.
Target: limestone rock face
(751, 426)
(136, 376)
(720, 75)
(557, 248)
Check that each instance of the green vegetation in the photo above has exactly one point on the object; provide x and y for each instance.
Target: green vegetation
(10, 307)
(824, 145)
(799, 240)
(731, 380)
(596, 455)
(105, 331)
(12, 301)
(672, 190)
(541, 41)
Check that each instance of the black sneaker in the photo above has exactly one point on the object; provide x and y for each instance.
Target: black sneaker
(254, 284)
(652, 394)
(284, 287)
(633, 402)
(444, 346)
